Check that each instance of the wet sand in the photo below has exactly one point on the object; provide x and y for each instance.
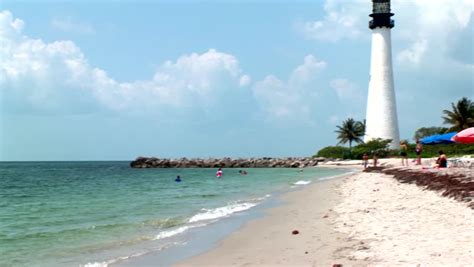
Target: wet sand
(270, 241)
(367, 218)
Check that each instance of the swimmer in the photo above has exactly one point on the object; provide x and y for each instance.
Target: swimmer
(178, 179)
(219, 173)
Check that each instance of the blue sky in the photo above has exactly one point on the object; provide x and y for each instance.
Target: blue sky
(112, 80)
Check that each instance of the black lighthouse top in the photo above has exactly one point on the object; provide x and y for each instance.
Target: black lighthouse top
(381, 14)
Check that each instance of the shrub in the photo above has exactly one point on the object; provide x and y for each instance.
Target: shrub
(339, 152)
(451, 150)
(377, 146)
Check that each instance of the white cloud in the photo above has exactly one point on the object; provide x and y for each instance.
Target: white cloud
(244, 80)
(342, 21)
(306, 72)
(428, 29)
(291, 100)
(57, 76)
(413, 54)
(345, 89)
(422, 27)
(69, 25)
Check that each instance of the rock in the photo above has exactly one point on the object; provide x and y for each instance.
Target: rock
(295, 164)
(265, 162)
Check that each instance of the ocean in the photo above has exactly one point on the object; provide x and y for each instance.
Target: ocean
(106, 213)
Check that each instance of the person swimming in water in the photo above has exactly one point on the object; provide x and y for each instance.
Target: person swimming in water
(178, 179)
(219, 173)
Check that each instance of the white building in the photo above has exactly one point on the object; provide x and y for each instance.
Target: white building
(381, 117)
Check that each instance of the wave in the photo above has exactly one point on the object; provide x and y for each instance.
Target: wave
(122, 258)
(107, 263)
(179, 230)
(209, 214)
(302, 182)
(171, 233)
(199, 220)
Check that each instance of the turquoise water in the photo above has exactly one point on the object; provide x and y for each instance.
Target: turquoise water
(86, 213)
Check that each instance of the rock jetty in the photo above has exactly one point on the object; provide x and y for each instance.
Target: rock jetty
(293, 162)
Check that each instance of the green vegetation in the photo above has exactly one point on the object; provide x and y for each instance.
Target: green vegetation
(460, 117)
(350, 131)
(428, 131)
(380, 147)
(451, 150)
(376, 146)
(335, 152)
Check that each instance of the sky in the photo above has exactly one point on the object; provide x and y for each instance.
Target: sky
(114, 80)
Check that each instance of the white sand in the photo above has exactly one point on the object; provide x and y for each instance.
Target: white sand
(364, 219)
(403, 225)
(269, 241)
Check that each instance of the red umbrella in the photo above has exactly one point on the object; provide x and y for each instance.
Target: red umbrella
(465, 136)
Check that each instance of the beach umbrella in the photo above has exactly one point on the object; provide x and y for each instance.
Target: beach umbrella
(465, 136)
(438, 139)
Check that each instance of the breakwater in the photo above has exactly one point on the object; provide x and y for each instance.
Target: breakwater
(265, 162)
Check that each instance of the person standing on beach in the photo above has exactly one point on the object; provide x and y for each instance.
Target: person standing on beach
(365, 159)
(403, 152)
(375, 158)
(418, 150)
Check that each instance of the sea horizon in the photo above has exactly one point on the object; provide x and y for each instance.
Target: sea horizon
(130, 160)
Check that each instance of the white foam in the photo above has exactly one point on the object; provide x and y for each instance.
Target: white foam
(302, 182)
(95, 264)
(210, 214)
(180, 230)
(170, 233)
(112, 261)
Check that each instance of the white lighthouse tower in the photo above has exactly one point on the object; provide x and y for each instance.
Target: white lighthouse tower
(381, 117)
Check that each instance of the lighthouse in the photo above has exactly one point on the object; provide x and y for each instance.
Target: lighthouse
(381, 117)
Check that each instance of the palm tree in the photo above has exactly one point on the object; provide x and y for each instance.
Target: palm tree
(462, 115)
(350, 131)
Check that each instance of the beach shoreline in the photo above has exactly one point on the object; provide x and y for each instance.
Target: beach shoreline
(263, 242)
(363, 218)
(199, 240)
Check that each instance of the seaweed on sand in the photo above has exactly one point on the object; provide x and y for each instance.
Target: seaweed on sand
(455, 184)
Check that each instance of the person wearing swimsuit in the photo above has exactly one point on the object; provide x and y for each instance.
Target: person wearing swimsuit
(418, 150)
(442, 161)
(403, 153)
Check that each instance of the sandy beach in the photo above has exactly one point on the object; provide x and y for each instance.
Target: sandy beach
(358, 220)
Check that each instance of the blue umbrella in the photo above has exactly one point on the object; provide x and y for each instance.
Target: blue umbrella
(438, 139)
